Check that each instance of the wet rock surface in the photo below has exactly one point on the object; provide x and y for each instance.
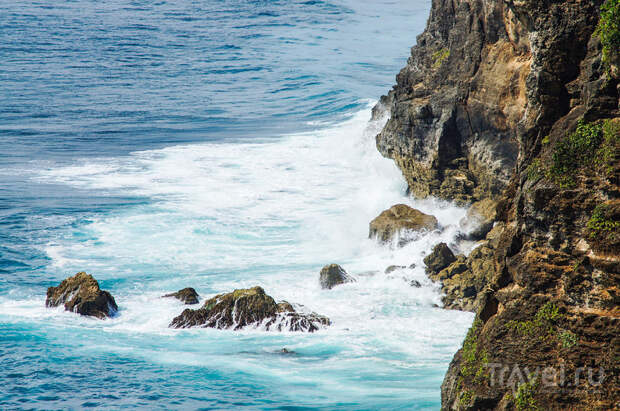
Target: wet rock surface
(81, 294)
(188, 296)
(398, 220)
(249, 308)
(332, 275)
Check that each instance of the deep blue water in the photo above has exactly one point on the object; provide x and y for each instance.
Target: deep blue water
(218, 145)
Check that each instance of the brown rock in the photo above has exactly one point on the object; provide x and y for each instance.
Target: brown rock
(397, 219)
(81, 294)
(439, 258)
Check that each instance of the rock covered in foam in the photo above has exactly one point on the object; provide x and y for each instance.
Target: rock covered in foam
(397, 219)
(81, 294)
(479, 219)
(332, 275)
(188, 296)
(249, 307)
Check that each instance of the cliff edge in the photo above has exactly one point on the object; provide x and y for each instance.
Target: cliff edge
(517, 101)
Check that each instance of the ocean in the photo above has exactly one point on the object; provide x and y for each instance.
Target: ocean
(218, 145)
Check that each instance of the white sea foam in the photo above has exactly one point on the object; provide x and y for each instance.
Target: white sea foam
(222, 216)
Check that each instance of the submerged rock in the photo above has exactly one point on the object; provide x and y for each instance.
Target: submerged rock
(399, 218)
(439, 258)
(333, 275)
(81, 294)
(413, 283)
(187, 295)
(393, 268)
(248, 307)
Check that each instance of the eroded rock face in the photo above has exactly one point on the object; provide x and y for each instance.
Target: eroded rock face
(333, 275)
(397, 220)
(489, 94)
(249, 308)
(457, 103)
(81, 294)
(439, 258)
(188, 296)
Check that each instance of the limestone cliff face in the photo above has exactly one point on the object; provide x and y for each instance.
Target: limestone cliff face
(510, 99)
(459, 101)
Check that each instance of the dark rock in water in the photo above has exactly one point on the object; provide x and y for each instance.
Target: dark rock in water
(412, 266)
(248, 307)
(393, 268)
(286, 351)
(440, 258)
(187, 295)
(414, 283)
(81, 294)
(333, 275)
(396, 220)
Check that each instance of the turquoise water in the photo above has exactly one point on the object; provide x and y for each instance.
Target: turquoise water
(217, 145)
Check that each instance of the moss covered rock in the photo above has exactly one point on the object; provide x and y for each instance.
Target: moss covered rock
(188, 296)
(248, 307)
(81, 294)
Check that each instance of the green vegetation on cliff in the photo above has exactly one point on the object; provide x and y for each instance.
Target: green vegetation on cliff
(542, 325)
(603, 228)
(524, 398)
(591, 147)
(608, 29)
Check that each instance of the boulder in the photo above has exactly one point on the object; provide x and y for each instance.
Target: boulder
(333, 275)
(439, 258)
(398, 219)
(188, 296)
(248, 307)
(81, 294)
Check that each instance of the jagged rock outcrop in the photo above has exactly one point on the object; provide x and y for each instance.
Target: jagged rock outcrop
(81, 294)
(511, 100)
(397, 221)
(249, 308)
(332, 275)
(439, 258)
(187, 295)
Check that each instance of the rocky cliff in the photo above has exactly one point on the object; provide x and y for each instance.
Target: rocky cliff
(517, 101)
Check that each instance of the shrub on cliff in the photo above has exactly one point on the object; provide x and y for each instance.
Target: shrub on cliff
(591, 147)
(608, 29)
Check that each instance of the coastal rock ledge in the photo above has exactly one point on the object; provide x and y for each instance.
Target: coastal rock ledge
(81, 294)
(250, 307)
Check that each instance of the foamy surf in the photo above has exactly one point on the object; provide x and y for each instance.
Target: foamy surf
(223, 216)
